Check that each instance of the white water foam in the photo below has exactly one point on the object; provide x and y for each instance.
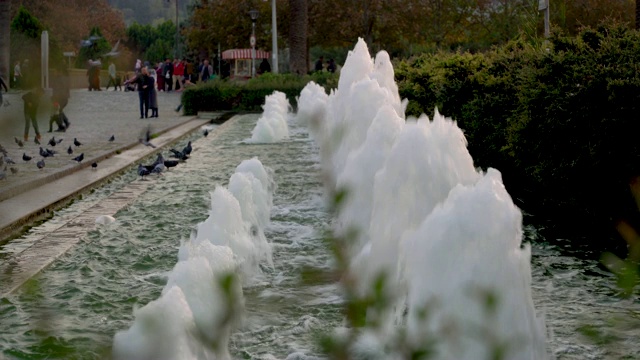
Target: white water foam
(202, 303)
(272, 125)
(427, 219)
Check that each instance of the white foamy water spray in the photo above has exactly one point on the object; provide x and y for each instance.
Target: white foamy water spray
(202, 301)
(272, 125)
(312, 105)
(441, 232)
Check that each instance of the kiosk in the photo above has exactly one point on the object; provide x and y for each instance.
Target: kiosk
(240, 60)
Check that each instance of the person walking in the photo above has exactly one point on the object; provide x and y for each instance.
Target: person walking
(60, 97)
(31, 103)
(2, 84)
(153, 93)
(17, 75)
(319, 64)
(207, 71)
(167, 73)
(179, 75)
(112, 76)
(142, 82)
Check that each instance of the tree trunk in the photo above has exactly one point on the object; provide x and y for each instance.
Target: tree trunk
(299, 55)
(5, 40)
(637, 14)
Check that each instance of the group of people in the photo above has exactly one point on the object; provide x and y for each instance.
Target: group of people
(330, 66)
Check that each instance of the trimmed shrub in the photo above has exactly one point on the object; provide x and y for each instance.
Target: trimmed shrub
(560, 121)
(221, 95)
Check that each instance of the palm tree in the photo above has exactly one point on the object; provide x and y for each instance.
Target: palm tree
(5, 39)
(299, 51)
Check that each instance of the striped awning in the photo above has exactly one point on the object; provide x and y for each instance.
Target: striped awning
(244, 54)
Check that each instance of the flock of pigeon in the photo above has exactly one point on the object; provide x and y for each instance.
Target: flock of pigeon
(161, 164)
(143, 170)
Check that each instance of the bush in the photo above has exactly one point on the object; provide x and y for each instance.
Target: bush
(219, 95)
(560, 121)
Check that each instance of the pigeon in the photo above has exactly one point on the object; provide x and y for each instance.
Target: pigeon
(79, 158)
(171, 163)
(40, 164)
(26, 157)
(76, 142)
(187, 149)
(146, 138)
(19, 142)
(69, 150)
(94, 165)
(206, 132)
(112, 138)
(14, 170)
(142, 171)
(147, 143)
(159, 160)
(158, 169)
(52, 142)
(51, 152)
(9, 160)
(180, 155)
(44, 153)
(58, 141)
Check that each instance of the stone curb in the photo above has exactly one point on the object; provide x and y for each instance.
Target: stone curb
(14, 227)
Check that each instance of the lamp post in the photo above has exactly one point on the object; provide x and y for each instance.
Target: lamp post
(254, 16)
(274, 36)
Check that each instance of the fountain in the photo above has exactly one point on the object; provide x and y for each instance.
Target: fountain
(272, 125)
(202, 300)
(445, 236)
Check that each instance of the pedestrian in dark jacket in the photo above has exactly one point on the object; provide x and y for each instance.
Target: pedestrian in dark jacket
(143, 81)
(31, 103)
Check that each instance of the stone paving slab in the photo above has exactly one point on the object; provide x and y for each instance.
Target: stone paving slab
(94, 116)
(21, 208)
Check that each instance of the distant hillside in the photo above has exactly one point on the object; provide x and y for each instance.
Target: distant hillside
(151, 11)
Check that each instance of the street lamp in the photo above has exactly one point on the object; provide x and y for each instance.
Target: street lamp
(274, 37)
(254, 16)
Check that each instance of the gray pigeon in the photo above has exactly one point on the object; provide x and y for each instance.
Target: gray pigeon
(79, 158)
(40, 164)
(142, 171)
(19, 142)
(69, 150)
(9, 160)
(26, 157)
(112, 138)
(158, 169)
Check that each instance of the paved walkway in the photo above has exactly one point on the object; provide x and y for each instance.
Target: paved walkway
(95, 117)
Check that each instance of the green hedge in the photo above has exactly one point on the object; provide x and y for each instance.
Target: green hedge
(561, 122)
(249, 96)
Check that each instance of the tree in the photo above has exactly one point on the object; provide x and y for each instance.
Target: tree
(152, 43)
(299, 50)
(5, 39)
(227, 22)
(637, 14)
(25, 44)
(97, 48)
